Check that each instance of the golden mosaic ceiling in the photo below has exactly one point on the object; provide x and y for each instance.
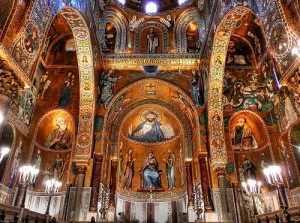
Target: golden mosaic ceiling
(162, 5)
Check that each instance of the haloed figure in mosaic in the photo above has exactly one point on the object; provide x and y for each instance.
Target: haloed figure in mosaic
(129, 170)
(170, 167)
(61, 137)
(106, 88)
(150, 172)
(66, 90)
(151, 130)
(152, 41)
(242, 138)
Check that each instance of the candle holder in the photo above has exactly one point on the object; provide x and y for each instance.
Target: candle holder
(252, 188)
(274, 178)
(197, 201)
(27, 176)
(52, 187)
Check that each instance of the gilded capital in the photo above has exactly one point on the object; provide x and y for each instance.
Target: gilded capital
(221, 171)
(98, 157)
(81, 168)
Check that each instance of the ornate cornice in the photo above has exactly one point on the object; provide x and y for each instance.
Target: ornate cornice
(135, 61)
(171, 195)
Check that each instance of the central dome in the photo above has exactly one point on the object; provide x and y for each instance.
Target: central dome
(162, 5)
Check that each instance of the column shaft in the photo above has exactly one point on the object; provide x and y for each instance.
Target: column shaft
(188, 166)
(80, 184)
(205, 183)
(223, 193)
(96, 181)
(113, 177)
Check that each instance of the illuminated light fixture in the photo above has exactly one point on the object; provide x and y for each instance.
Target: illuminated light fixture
(122, 1)
(151, 8)
(180, 2)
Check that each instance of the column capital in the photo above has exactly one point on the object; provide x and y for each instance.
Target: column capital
(202, 156)
(98, 157)
(188, 163)
(221, 171)
(114, 162)
(81, 168)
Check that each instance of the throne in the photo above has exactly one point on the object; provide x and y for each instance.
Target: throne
(141, 189)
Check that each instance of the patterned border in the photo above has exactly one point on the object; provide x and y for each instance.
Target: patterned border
(86, 71)
(171, 195)
(11, 117)
(217, 68)
(181, 27)
(104, 23)
(109, 16)
(186, 126)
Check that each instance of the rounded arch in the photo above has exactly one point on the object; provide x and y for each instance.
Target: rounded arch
(265, 130)
(118, 34)
(243, 39)
(181, 27)
(187, 130)
(85, 60)
(161, 27)
(217, 69)
(55, 41)
(60, 112)
(187, 125)
(118, 19)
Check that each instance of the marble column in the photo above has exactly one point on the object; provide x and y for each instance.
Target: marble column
(189, 181)
(113, 182)
(111, 212)
(20, 194)
(205, 182)
(223, 194)
(96, 181)
(4, 107)
(79, 188)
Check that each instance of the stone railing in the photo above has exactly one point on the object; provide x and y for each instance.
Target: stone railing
(14, 214)
(290, 215)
